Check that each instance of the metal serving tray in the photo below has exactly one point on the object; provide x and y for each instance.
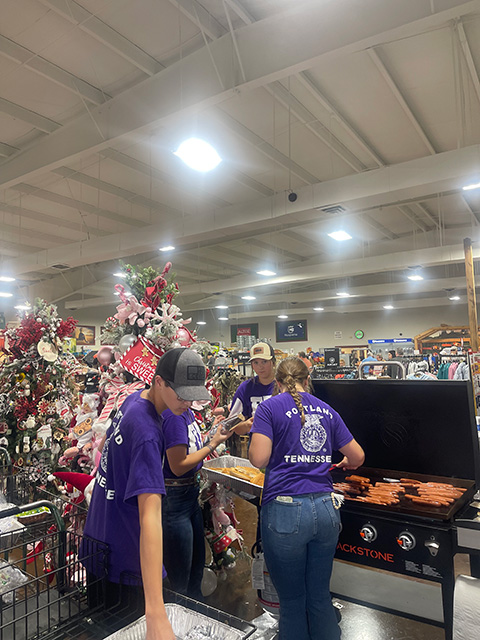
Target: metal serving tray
(182, 620)
(235, 484)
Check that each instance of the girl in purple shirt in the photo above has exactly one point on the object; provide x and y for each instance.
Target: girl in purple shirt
(293, 436)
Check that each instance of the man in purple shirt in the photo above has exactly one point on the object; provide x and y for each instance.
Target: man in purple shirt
(126, 508)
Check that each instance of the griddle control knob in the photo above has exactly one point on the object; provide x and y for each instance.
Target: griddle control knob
(406, 540)
(368, 533)
(432, 546)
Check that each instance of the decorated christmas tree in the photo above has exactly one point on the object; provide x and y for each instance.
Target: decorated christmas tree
(37, 388)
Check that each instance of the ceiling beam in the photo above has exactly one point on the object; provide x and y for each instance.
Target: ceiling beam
(29, 117)
(87, 22)
(278, 252)
(161, 176)
(412, 217)
(311, 122)
(51, 71)
(7, 150)
(467, 52)
(321, 33)
(427, 213)
(78, 205)
(376, 188)
(334, 112)
(114, 190)
(375, 57)
(58, 222)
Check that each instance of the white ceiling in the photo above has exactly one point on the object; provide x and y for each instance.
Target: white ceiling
(370, 105)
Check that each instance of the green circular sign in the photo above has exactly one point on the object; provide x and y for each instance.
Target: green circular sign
(359, 334)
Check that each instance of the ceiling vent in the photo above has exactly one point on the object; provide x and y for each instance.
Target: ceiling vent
(332, 209)
(60, 267)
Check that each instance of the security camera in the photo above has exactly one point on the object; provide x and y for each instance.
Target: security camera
(292, 196)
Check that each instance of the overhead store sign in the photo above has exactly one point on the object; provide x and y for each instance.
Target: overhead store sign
(390, 340)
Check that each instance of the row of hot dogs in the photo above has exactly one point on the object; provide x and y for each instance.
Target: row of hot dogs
(432, 494)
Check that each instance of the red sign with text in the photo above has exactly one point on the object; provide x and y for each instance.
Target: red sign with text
(244, 331)
(141, 359)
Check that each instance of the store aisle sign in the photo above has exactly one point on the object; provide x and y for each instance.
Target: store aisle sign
(337, 335)
(390, 341)
(291, 330)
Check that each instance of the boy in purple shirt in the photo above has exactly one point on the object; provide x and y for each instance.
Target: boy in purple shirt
(257, 389)
(126, 508)
(293, 436)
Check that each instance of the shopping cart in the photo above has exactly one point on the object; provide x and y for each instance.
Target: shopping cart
(43, 585)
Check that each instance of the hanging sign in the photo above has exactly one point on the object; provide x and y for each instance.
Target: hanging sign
(141, 359)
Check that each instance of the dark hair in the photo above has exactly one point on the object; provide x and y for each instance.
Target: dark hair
(301, 354)
(289, 372)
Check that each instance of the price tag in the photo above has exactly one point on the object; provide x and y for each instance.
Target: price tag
(258, 579)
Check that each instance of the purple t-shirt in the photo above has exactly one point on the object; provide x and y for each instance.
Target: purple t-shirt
(182, 429)
(301, 456)
(131, 464)
(249, 395)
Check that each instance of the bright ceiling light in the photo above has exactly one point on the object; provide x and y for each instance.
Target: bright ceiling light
(248, 298)
(223, 318)
(282, 317)
(318, 308)
(388, 306)
(167, 248)
(3, 294)
(266, 272)
(120, 275)
(6, 279)
(198, 155)
(221, 306)
(469, 187)
(23, 307)
(201, 322)
(343, 294)
(454, 297)
(415, 277)
(340, 235)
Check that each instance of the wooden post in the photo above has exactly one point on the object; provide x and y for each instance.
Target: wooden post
(472, 303)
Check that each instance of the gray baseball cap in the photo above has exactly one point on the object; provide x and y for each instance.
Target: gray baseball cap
(184, 371)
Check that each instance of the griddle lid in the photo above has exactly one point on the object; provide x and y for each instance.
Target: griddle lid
(416, 426)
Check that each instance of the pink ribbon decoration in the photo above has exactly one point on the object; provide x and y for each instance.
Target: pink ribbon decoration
(117, 392)
(131, 310)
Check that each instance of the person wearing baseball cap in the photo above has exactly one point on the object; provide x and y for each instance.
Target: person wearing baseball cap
(126, 507)
(257, 389)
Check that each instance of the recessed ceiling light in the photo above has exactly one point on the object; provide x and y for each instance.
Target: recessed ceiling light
(282, 317)
(248, 298)
(3, 294)
(415, 277)
(454, 297)
(469, 187)
(221, 306)
(318, 308)
(120, 275)
(340, 235)
(201, 322)
(266, 272)
(6, 279)
(343, 294)
(223, 318)
(388, 306)
(198, 154)
(167, 248)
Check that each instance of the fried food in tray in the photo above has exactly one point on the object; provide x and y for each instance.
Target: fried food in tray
(249, 474)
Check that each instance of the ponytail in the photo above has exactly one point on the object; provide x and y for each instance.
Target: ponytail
(290, 372)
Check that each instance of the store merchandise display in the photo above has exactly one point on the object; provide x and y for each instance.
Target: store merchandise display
(38, 394)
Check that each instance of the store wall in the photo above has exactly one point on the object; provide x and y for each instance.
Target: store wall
(321, 326)
(405, 323)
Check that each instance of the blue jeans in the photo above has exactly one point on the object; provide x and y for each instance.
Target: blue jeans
(299, 540)
(183, 540)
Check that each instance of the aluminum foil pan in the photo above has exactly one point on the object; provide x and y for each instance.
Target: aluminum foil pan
(235, 484)
(186, 625)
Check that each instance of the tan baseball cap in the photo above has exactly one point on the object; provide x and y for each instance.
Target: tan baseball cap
(262, 351)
